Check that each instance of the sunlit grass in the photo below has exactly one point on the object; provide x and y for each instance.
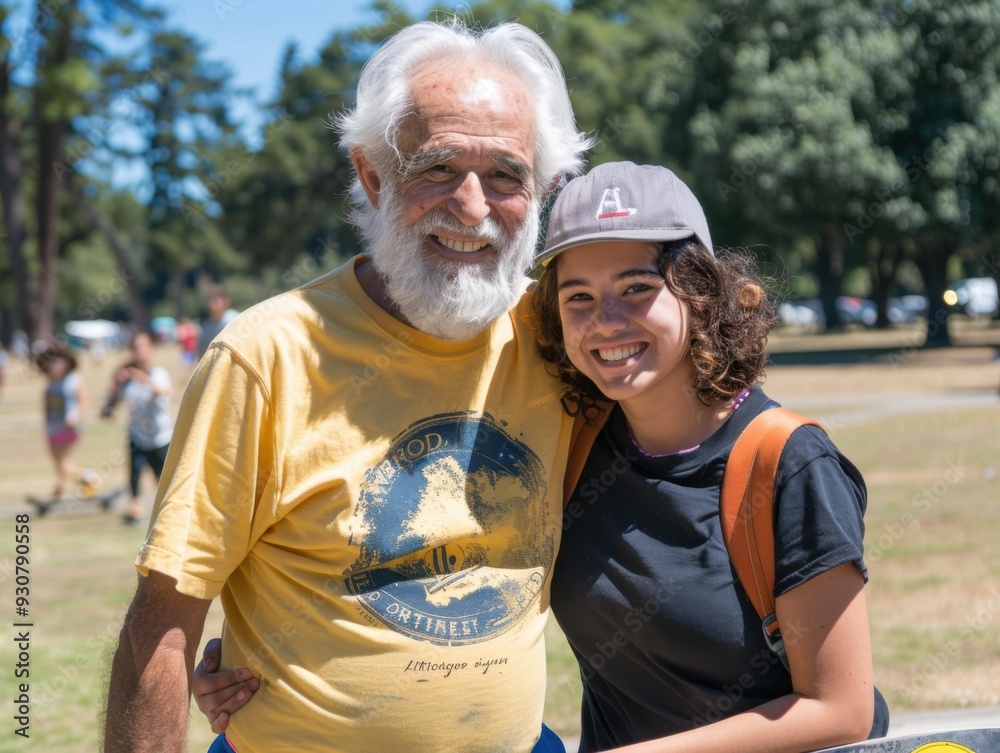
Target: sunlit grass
(932, 528)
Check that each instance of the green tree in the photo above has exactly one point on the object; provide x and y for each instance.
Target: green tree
(807, 160)
(46, 86)
(291, 200)
(13, 108)
(191, 148)
(938, 117)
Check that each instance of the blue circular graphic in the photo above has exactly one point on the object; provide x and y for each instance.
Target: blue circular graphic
(451, 524)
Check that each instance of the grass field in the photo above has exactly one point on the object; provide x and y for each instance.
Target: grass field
(923, 426)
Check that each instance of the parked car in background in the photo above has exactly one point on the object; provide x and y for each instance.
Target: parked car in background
(802, 314)
(859, 311)
(808, 313)
(906, 309)
(974, 296)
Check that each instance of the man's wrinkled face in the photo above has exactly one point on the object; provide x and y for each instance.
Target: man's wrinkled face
(457, 228)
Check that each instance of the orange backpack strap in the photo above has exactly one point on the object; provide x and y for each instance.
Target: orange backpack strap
(581, 440)
(746, 508)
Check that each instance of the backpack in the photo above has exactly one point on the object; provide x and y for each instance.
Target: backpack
(746, 503)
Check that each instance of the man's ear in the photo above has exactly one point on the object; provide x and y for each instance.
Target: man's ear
(368, 176)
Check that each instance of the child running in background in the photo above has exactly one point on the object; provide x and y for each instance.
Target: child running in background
(147, 390)
(65, 404)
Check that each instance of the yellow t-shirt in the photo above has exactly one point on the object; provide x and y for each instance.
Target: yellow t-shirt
(380, 512)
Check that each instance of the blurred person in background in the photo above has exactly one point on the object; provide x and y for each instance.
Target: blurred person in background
(220, 313)
(146, 389)
(188, 333)
(65, 403)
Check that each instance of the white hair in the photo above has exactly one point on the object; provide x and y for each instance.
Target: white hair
(384, 98)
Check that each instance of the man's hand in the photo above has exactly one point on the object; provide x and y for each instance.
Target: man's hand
(149, 694)
(219, 694)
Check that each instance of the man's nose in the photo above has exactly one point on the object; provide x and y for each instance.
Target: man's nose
(468, 201)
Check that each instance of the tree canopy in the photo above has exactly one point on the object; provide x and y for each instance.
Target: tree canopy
(842, 141)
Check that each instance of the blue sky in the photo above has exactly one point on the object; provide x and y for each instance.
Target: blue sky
(250, 35)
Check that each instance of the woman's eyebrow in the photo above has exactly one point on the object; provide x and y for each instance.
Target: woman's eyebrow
(571, 284)
(637, 272)
(625, 275)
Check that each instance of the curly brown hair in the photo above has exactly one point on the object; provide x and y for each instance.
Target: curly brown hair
(730, 317)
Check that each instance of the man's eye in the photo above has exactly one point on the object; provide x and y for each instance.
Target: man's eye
(504, 181)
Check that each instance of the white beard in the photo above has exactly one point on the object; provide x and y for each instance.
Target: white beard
(449, 300)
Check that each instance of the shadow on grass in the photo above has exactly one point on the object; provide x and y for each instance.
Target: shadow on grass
(841, 356)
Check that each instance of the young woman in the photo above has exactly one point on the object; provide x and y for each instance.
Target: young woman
(634, 308)
(65, 403)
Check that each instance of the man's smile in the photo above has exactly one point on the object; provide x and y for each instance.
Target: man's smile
(462, 246)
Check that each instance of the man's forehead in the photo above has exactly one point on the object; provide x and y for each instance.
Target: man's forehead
(457, 103)
(453, 86)
(481, 90)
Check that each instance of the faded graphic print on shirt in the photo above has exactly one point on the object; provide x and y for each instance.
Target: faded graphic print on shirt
(451, 529)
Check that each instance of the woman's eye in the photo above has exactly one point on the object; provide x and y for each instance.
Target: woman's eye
(579, 297)
(637, 288)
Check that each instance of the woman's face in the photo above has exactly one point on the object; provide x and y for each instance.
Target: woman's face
(622, 326)
(142, 348)
(57, 368)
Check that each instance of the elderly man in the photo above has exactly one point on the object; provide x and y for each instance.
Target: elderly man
(368, 469)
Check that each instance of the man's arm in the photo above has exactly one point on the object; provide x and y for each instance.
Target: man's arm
(151, 674)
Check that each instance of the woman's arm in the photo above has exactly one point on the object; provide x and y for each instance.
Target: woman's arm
(824, 624)
(82, 402)
(159, 383)
(220, 694)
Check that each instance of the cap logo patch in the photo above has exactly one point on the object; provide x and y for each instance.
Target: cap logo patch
(610, 205)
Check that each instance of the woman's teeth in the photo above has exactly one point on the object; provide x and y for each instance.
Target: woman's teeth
(620, 353)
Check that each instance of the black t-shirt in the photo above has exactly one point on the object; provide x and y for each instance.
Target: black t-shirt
(645, 592)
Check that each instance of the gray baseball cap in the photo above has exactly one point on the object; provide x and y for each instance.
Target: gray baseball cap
(623, 201)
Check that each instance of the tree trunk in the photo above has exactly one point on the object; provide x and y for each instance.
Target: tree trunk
(51, 144)
(992, 269)
(830, 258)
(883, 276)
(12, 194)
(137, 304)
(47, 204)
(932, 261)
(177, 279)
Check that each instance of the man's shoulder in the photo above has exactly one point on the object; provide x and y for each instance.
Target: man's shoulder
(318, 298)
(521, 313)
